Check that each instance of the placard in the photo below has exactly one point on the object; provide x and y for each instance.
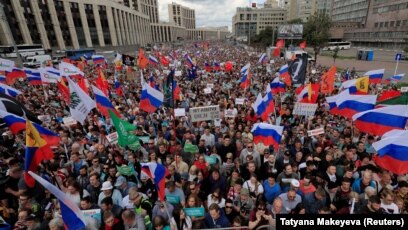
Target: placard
(210, 159)
(144, 139)
(173, 199)
(112, 138)
(239, 101)
(196, 212)
(315, 132)
(177, 73)
(404, 89)
(207, 90)
(217, 122)
(304, 109)
(229, 113)
(45, 118)
(68, 121)
(210, 85)
(93, 213)
(180, 112)
(205, 113)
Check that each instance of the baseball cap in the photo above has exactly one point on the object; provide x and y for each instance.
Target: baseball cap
(184, 176)
(106, 186)
(244, 191)
(119, 181)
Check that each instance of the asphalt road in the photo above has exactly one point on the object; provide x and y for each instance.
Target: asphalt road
(383, 59)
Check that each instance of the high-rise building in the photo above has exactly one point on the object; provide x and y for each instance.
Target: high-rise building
(386, 25)
(181, 15)
(350, 11)
(248, 22)
(324, 6)
(65, 24)
(302, 9)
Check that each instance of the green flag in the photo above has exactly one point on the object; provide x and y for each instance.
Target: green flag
(400, 100)
(190, 148)
(124, 128)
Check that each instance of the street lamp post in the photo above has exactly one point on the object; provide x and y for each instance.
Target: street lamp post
(4, 18)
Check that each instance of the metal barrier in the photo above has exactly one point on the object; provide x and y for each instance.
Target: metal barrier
(263, 227)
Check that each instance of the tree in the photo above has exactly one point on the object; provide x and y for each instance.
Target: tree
(316, 31)
(264, 38)
(295, 21)
(406, 45)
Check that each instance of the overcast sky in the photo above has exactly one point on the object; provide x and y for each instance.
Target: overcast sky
(208, 12)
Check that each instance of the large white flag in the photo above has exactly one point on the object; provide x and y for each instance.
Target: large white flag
(49, 74)
(81, 103)
(67, 69)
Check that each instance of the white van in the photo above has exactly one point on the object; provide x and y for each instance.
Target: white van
(297, 53)
(36, 61)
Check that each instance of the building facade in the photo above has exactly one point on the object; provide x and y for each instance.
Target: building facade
(248, 22)
(324, 7)
(350, 11)
(182, 16)
(386, 25)
(65, 24)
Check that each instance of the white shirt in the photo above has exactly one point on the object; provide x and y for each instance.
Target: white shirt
(210, 201)
(253, 188)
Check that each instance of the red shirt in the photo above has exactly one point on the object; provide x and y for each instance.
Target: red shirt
(202, 166)
(307, 190)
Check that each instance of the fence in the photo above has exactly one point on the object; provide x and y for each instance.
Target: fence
(263, 227)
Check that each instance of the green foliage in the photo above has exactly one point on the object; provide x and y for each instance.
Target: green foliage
(295, 21)
(264, 38)
(316, 31)
(406, 45)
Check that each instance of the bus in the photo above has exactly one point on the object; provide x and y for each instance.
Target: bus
(341, 45)
(76, 55)
(24, 50)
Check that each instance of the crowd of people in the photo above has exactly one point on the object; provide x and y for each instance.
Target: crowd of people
(247, 185)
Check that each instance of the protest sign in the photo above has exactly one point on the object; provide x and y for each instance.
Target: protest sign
(304, 109)
(210, 85)
(68, 121)
(229, 113)
(207, 90)
(93, 213)
(196, 212)
(44, 118)
(180, 112)
(112, 138)
(315, 132)
(205, 113)
(239, 101)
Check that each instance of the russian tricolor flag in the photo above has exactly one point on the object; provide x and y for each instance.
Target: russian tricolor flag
(153, 60)
(217, 66)
(189, 61)
(284, 74)
(71, 214)
(103, 103)
(33, 76)
(262, 59)
(15, 73)
(17, 124)
(348, 104)
(8, 90)
(381, 120)
(246, 76)
(395, 78)
(392, 152)
(260, 107)
(267, 134)
(151, 98)
(375, 76)
(332, 104)
(157, 173)
(98, 59)
(277, 86)
(269, 103)
(207, 67)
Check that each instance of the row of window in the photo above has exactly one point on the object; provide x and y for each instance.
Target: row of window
(371, 35)
(395, 7)
(391, 24)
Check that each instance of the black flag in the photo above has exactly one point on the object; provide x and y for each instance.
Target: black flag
(297, 69)
(11, 105)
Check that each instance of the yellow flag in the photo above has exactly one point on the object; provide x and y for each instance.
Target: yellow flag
(362, 84)
(33, 138)
(309, 91)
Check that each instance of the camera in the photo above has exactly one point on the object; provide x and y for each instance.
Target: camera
(245, 209)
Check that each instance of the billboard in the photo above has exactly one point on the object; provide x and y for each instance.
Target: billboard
(294, 31)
